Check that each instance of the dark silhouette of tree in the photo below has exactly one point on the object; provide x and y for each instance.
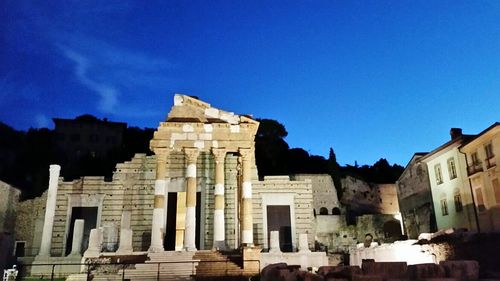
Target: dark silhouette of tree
(334, 171)
(270, 148)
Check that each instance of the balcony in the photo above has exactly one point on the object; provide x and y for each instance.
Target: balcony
(474, 168)
(490, 162)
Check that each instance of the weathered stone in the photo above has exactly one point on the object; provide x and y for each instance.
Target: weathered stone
(76, 246)
(272, 272)
(125, 247)
(95, 242)
(358, 277)
(425, 270)
(385, 269)
(275, 242)
(340, 272)
(303, 245)
(465, 270)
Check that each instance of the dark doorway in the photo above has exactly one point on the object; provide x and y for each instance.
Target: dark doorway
(278, 219)
(89, 214)
(170, 232)
(198, 219)
(392, 229)
(169, 241)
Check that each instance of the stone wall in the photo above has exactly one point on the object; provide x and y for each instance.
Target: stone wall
(280, 190)
(324, 192)
(29, 223)
(9, 197)
(415, 200)
(364, 197)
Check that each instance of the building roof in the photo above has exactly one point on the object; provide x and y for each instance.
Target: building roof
(482, 133)
(456, 141)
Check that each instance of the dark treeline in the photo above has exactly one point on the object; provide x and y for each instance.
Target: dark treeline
(25, 157)
(275, 157)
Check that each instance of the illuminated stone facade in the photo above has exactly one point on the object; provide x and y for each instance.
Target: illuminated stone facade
(199, 191)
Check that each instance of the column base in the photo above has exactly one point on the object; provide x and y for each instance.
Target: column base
(220, 245)
(156, 249)
(190, 249)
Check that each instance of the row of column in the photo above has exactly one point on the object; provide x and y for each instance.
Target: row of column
(191, 155)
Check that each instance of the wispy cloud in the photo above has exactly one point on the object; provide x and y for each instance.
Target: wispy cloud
(107, 93)
(112, 72)
(42, 121)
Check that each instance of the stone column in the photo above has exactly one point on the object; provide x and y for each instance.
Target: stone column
(95, 244)
(303, 243)
(219, 228)
(246, 197)
(76, 246)
(159, 202)
(274, 247)
(190, 230)
(50, 209)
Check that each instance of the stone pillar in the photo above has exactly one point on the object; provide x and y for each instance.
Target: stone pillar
(125, 246)
(95, 244)
(219, 228)
(157, 230)
(303, 243)
(190, 230)
(76, 246)
(274, 247)
(246, 197)
(50, 209)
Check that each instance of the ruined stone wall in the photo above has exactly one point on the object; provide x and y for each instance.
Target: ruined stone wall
(333, 233)
(364, 197)
(415, 200)
(29, 223)
(9, 197)
(324, 192)
(280, 188)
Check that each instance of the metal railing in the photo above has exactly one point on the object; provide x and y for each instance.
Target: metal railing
(474, 168)
(119, 270)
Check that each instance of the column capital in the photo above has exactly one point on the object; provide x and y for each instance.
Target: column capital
(219, 154)
(191, 154)
(161, 152)
(246, 153)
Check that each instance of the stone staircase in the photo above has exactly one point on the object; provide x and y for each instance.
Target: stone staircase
(165, 266)
(215, 264)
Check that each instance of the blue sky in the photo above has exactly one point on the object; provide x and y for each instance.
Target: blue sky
(371, 79)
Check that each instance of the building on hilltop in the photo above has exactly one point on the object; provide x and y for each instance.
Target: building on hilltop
(86, 138)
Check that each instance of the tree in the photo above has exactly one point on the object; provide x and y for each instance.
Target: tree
(270, 148)
(334, 171)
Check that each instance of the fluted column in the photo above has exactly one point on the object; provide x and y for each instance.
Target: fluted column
(50, 209)
(219, 227)
(190, 230)
(246, 197)
(157, 230)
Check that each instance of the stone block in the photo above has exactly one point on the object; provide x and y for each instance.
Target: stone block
(272, 271)
(465, 270)
(368, 277)
(339, 272)
(425, 270)
(385, 269)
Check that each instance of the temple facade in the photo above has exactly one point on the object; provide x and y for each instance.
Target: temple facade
(199, 191)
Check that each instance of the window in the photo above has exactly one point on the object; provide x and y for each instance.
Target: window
(452, 170)
(496, 190)
(444, 207)
(458, 203)
(323, 211)
(20, 248)
(475, 159)
(437, 171)
(488, 149)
